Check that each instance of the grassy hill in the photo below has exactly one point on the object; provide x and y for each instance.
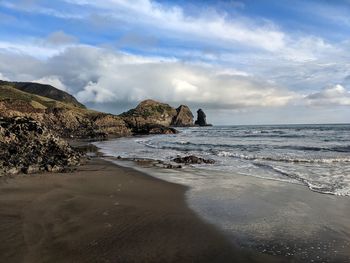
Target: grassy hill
(43, 90)
(63, 118)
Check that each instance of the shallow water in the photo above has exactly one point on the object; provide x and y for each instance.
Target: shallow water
(268, 216)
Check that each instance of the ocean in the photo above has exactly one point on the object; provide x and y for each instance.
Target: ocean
(317, 156)
(281, 190)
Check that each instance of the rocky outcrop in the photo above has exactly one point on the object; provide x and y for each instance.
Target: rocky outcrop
(183, 118)
(149, 114)
(26, 146)
(192, 159)
(201, 118)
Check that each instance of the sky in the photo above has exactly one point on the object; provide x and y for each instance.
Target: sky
(242, 62)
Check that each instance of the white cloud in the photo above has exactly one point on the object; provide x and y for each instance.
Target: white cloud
(336, 95)
(210, 26)
(2, 77)
(51, 80)
(100, 76)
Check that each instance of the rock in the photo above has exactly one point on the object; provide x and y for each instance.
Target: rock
(192, 159)
(57, 169)
(162, 130)
(149, 114)
(201, 118)
(184, 117)
(27, 146)
(171, 166)
(12, 171)
(31, 169)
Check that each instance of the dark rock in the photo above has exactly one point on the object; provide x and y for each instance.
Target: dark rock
(201, 118)
(27, 146)
(192, 159)
(171, 166)
(162, 130)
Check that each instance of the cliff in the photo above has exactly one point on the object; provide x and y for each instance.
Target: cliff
(184, 117)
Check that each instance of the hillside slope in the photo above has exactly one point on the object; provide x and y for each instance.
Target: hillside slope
(63, 118)
(44, 91)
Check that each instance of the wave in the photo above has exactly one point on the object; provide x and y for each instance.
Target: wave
(333, 188)
(317, 149)
(188, 146)
(282, 159)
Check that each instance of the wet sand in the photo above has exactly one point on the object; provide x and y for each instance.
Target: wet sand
(106, 213)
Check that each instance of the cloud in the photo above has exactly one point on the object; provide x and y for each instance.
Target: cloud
(61, 38)
(96, 75)
(173, 22)
(336, 95)
(51, 80)
(31, 47)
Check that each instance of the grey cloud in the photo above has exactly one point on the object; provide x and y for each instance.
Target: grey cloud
(336, 95)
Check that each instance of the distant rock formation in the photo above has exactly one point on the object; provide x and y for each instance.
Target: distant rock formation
(184, 117)
(150, 114)
(147, 113)
(201, 118)
(28, 147)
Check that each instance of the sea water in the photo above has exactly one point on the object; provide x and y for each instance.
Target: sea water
(317, 156)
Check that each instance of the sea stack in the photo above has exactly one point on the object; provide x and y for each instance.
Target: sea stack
(201, 118)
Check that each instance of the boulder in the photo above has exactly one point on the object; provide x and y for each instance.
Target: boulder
(184, 117)
(201, 118)
(162, 130)
(192, 159)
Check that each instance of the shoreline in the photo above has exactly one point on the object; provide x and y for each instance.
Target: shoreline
(106, 213)
(268, 216)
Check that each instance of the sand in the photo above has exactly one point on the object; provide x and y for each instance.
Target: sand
(106, 213)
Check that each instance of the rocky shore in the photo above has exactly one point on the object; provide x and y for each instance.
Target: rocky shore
(28, 147)
(36, 120)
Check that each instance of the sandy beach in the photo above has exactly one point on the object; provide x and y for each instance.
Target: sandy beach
(106, 213)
